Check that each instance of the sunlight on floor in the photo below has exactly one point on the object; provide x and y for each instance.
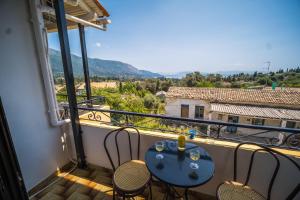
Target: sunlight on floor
(93, 183)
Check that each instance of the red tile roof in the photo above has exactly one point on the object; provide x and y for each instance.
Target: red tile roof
(238, 96)
(256, 111)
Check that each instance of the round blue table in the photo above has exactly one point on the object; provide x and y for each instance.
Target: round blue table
(174, 169)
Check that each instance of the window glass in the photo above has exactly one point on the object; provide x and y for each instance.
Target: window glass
(199, 112)
(258, 121)
(290, 124)
(233, 119)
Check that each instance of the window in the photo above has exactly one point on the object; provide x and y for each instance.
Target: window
(184, 110)
(199, 112)
(232, 119)
(290, 124)
(258, 121)
(220, 117)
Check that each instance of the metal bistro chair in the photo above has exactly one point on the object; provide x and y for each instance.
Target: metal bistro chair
(132, 177)
(233, 190)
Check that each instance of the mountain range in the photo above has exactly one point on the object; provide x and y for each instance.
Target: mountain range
(99, 67)
(179, 75)
(112, 68)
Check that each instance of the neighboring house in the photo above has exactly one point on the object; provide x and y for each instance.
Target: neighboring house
(161, 95)
(80, 90)
(247, 106)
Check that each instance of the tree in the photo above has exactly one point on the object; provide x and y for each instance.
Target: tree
(205, 84)
(255, 74)
(157, 88)
(129, 88)
(265, 81)
(191, 79)
(150, 86)
(165, 85)
(121, 87)
(218, 77)
(150, 101)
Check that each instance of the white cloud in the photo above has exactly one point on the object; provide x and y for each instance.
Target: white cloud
(98, 44)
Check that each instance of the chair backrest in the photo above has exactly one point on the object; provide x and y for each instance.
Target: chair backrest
(115, 136)
(274, 154)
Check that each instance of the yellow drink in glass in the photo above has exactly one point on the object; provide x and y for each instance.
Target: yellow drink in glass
(159, 148)
(195, 155)
(181, 142)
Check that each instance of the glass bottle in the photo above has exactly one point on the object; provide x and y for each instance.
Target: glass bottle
(181, 141)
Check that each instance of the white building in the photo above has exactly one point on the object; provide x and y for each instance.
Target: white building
(246, 106)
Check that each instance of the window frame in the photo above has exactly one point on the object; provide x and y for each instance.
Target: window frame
(202, 108)
(188, 110)
(233, 116)
(232, 129)
(220, 117)
(290, 121)
(254, 121)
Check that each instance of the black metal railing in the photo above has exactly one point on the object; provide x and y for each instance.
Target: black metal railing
(82, 99)
(220, 130)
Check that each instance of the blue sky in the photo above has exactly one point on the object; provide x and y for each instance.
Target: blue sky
(202, 35)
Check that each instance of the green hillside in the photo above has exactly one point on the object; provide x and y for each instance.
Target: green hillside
(99, 67)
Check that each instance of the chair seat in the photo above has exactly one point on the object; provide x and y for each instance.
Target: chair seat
(231, 190)
(131, 176)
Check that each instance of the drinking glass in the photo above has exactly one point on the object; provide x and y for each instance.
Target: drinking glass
(194, 155)
(159, 146)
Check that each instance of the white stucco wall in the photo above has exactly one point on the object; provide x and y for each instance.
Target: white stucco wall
(173, 107)
(38, 145)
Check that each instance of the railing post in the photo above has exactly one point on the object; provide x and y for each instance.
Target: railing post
(85, 64)
(219, 131)
(68, 73)
(126, 120)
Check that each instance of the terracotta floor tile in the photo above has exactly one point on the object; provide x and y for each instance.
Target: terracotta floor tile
(78, 196)
(94, 183)
(51, 196)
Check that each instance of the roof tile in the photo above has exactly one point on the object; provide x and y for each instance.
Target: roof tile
(238, 96)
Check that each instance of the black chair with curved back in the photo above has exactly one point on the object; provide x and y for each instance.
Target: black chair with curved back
(233, 190)
(131, 177)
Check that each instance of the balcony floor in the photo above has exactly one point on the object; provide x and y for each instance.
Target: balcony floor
(94, 183)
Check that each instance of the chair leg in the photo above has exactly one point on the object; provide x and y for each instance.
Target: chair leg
(167, 192)
(186, 194)
(150, 188)
(114, 195)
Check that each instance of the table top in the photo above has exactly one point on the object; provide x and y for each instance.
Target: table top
(174, 168)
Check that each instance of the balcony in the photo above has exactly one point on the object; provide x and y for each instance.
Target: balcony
(47, 153)
(95, 182)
